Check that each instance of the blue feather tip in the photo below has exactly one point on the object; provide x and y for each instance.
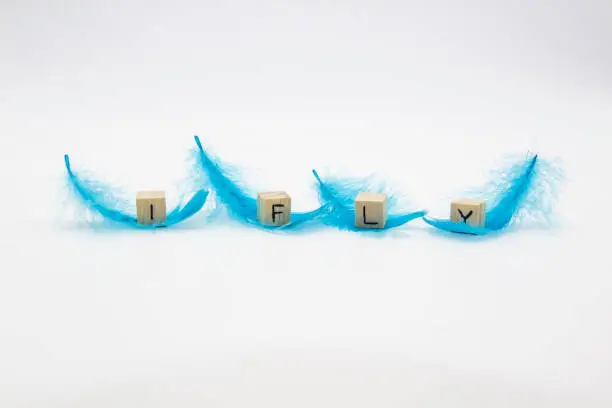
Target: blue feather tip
(99, 198)
(522, 192)
(339, 196)
(240, 202)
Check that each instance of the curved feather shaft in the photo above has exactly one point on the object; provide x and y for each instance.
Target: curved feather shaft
(96, 196)
(240, 204)
(99, 198)
(509, 201)
(511, 194)
(340, 197)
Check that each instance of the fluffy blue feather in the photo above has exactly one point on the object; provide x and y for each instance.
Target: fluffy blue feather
(99, 198)
(240, 203)
(523, 191)
(338, 195)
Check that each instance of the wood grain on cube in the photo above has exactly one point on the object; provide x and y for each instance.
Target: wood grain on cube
(151, 207)
(274, 208)
(468, 211)
(371, 210)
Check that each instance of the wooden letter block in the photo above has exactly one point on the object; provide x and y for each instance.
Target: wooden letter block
(467, 211)
(274, 208)
(370, 210)
(151, 207)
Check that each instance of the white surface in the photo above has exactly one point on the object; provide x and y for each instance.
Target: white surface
(427, 96)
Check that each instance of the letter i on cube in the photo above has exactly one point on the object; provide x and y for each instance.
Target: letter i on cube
(150, 207)
(274, 208)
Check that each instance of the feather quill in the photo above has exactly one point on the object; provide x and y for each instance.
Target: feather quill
(239, 202)
(338, 195)
(521, 192)
(99, 198)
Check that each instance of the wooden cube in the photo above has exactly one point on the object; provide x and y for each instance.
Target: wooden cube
(151, 207)
(274, 208)
(370, 210)
(468, 211)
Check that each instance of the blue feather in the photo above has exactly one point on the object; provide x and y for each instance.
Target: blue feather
(240, 203)
(524, 190)
(99, 198)
(339, 196)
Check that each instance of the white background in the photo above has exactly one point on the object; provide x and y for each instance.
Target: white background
(427, 95)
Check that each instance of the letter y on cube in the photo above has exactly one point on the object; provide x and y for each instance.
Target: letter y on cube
(468, 211)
